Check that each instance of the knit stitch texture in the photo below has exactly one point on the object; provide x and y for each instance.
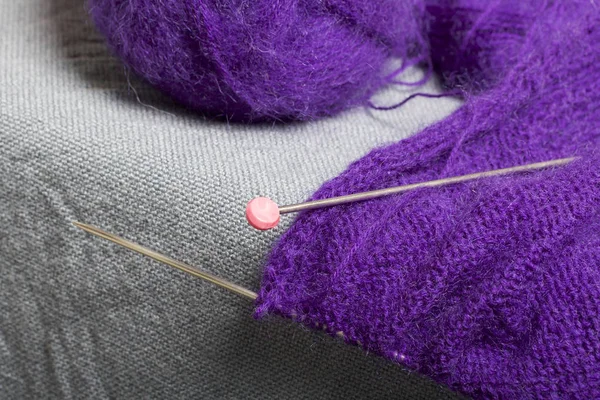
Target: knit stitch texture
(491, 287)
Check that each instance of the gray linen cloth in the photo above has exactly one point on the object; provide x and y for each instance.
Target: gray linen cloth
(81, 139)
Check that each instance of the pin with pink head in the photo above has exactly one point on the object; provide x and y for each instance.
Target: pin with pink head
(262, 213)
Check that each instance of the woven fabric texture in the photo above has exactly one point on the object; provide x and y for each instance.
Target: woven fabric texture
(80, 139)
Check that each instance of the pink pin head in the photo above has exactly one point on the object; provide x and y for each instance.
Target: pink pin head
(262, 213)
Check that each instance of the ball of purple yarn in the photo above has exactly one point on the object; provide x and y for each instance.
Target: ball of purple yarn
(262, 59)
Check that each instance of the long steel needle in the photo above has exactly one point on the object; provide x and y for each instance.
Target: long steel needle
(232, 287)
(263, 213)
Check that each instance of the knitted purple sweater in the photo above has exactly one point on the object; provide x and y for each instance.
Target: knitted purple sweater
(490, 287)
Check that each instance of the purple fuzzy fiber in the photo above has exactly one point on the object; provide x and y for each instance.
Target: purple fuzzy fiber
(490, 287)
(262, 59)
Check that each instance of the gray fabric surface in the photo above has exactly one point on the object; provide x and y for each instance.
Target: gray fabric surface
(82, 318)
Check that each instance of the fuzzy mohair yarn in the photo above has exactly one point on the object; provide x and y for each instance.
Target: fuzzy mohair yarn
(490, 287)
(263, 59)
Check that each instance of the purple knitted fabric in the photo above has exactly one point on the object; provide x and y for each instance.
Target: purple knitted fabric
(490, 287)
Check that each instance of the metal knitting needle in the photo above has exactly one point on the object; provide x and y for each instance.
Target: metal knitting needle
(256, 206)
(232, 287)
(263, 213)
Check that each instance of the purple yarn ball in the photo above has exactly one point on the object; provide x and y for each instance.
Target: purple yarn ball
(262, 59)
